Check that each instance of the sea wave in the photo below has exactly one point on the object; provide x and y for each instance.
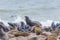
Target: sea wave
(19, 19)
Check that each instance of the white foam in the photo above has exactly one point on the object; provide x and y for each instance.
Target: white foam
(46, 24)
(5, 22)
(0, 19)
(19, 19)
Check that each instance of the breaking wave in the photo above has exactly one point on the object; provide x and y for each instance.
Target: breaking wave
(20, 19)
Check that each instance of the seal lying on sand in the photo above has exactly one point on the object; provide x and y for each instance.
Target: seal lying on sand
(17, 33)
(37, 29)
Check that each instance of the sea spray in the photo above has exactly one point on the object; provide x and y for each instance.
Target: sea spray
(4, 22)
(46, 24)
(19, 19)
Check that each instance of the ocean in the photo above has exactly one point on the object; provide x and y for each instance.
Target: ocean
(37, 10)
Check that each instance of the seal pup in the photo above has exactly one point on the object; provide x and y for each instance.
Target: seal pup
(37, 29)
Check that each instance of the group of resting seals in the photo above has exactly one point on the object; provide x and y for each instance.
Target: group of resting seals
(22, 29)
(15, 30)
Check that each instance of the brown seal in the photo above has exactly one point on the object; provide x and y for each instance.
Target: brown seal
(37, 29)
(17, 33)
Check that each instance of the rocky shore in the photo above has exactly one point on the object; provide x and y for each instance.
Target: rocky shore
(32, 30)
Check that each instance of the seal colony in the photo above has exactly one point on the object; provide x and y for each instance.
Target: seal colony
(32, 30)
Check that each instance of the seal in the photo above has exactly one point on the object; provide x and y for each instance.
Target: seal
(28, 21)
(17, 33)
(36, 29)
(3, 35)
(24, 27)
